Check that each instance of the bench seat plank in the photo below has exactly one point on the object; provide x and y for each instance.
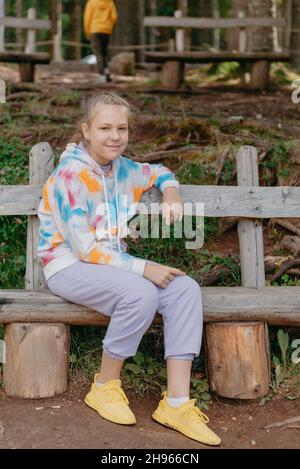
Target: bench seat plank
(23, 57)
(275, 305)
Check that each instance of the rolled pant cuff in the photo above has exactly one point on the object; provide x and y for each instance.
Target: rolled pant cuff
(113, 355)
(187, 356)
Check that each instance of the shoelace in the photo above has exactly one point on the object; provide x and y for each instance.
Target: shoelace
(115, 394)
(195, 413)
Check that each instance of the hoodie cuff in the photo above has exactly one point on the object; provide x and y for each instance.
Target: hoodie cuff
(172, 183)
(138, 266)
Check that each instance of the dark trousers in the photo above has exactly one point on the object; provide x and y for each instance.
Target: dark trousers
(99, 44)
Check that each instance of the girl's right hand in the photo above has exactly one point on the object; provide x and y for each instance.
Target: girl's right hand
(161, 275)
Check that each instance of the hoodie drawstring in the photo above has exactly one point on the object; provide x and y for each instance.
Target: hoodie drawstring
(118, 212)
(108, 211)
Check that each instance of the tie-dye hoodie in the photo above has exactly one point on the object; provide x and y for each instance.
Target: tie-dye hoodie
(83, 212)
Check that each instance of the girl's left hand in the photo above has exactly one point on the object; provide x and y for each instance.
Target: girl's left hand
(172, 208)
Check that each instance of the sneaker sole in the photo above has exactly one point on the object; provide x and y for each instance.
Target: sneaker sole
(95, 406)
(184, 432)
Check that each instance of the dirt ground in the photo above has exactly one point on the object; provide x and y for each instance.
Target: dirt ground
(66, 422)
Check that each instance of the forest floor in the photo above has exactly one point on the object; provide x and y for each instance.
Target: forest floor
(66, 422)
(205, 122)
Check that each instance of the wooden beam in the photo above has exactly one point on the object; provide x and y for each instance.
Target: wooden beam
(211, 23)
(275, 305)
(219, 201)
(222, 56)
(24, 23)
(23, 57)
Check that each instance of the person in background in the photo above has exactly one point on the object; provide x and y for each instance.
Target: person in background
(99, 19)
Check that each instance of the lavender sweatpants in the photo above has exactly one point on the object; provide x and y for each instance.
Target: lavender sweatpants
(132, 301)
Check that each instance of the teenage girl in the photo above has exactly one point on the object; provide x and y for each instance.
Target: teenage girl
(84, 260)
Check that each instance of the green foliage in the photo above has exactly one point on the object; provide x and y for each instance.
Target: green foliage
(234, 272)
(14, 170)
(12, 251)
(287, 280)
(195, 173)
(285, 373)
(225, 70)
(13, 161)
(276, 159)
(227, 172)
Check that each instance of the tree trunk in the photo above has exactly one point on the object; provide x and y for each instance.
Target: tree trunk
(73, 8)
(295, 35)
(239, 8)
(261, 39)
(127, 30)
(238, 362)
(201, 8)
(53, 19)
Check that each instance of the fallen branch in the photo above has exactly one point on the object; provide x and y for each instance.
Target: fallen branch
(284, 422)
(287, 225)
(284, 267)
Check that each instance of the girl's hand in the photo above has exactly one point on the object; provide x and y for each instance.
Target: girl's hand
(172, 208)
(161, 275)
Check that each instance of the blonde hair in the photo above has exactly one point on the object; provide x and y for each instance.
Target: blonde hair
(90, 107)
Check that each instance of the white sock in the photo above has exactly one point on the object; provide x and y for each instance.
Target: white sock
(177, 401)
(99, 384)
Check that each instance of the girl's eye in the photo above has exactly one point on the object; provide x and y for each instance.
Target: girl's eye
(123, 129)
(104, 128)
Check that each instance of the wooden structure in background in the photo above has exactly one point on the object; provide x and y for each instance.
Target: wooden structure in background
(173, 61)
(29, 58)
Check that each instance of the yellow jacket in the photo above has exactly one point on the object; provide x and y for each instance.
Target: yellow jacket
(99, 16)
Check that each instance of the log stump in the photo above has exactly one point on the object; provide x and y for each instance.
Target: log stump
(238, 362)
(27, 70)
(172, 74)
(259, 78)
(36, 359)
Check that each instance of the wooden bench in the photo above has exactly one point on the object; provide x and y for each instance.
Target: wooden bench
(28, 58)
(173, 61)
(36, 322)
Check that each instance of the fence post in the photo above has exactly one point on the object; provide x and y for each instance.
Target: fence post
(57, 38)
(179, 34)
(2, 28)
(238, 362)
(31, 35)
(37, 354)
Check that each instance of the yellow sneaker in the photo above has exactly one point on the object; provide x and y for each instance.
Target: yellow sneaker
(187, 419)
(110, 402)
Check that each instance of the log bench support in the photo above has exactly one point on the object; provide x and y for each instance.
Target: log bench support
(237, 353)
(37, 359)
(172, 74)
(27, 70)
(37, 354)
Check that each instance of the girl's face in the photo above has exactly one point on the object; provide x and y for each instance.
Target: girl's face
(107, 133)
